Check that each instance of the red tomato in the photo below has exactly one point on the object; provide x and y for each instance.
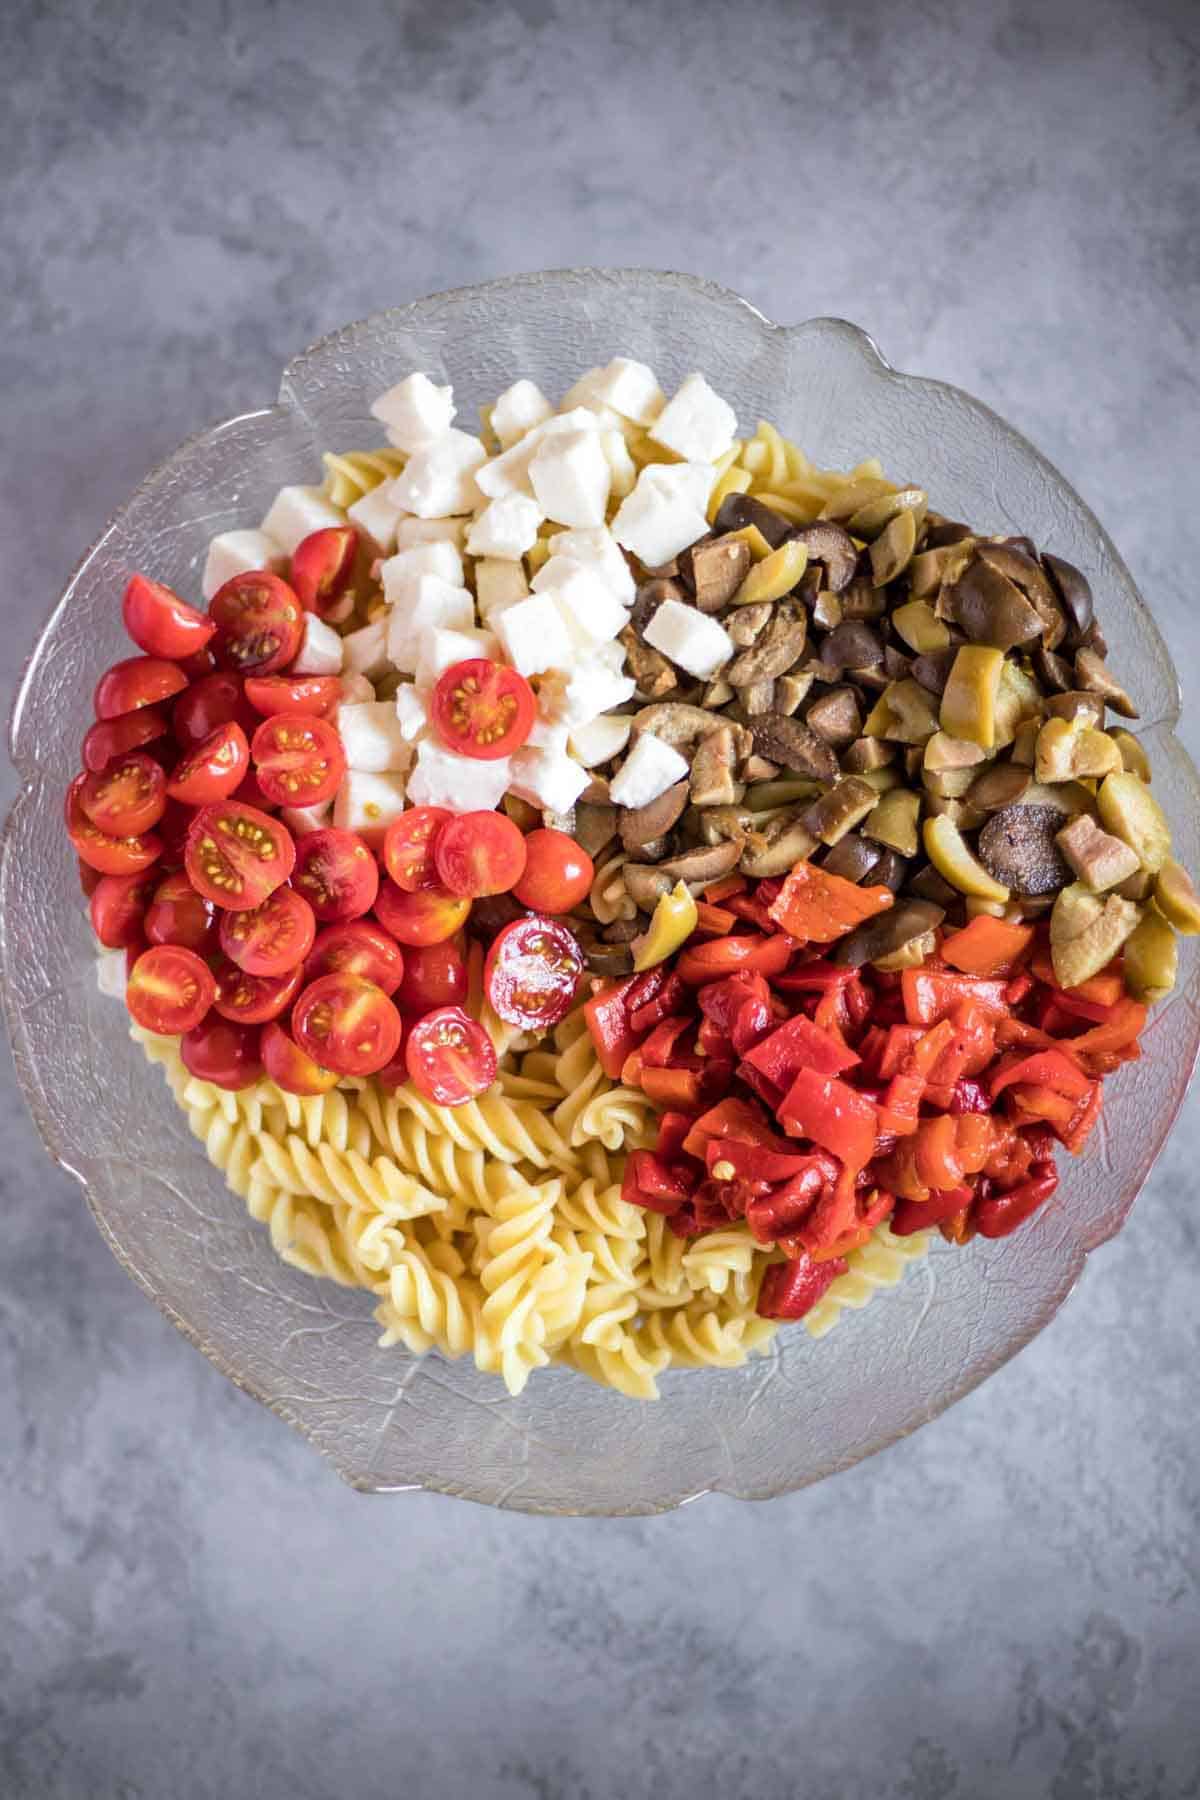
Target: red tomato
(89, 879)
(118, 908)
(317, 695)
(173, 828)
(532, 972)
(449, 1057)
(225, 1054)
(235, 855)
(558, 873)
(213, 769)
(347, 1024)
(483, 709)
(336, 873)
(428, 917)
(259, 623)
(109, 855)
(128, 797)
(394, 1074)
(290, 1067)
(323, 567)
(177, 914)
(249, 793)
(272, 938)
(408, 846)
(169, 989)
(110, 738)
(434, 975)
(253, 999)
(213, 700)
(136, 682)
(160, 623)
(479, 853)
(298, 759)
(360, 947)
(199, 663)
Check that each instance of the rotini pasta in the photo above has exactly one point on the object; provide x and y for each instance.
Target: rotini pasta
(357, 472)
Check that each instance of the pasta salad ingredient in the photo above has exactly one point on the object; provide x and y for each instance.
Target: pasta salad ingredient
(450, 1059)
(160, 623)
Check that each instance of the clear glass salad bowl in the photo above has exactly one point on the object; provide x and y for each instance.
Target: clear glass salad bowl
(307, 1349)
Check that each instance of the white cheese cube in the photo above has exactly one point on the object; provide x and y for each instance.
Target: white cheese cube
(435, 604)
(648, 771)
(698, 643)
(300, 820)
(411, 712)
(367, 803)
(508, 473)
(519, 407)
(547, 734)
(498, 584)
(506, 527)
(692, 481)
(547, 778)
(441, 649)
(611, 656)
(376, 517)
(597, 547)
(371, 737)
(571, 478)
(355, 688)
(656, 524)
(629, 388)
(110, 974)
(321, 649)
(415, 411)
(696, 423)
(236, 553)
(296, 512)
(439, 478)
(533, 635)
(596, 740)
(364, 651)
(443, 778)
(412, 530)
(589, 689)
(399, 574)
(622, 468)
(592, 612)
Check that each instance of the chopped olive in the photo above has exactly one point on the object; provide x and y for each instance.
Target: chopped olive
(1129, 809)
(1017, 846)
(1176, 898)
(969, 701)
(894, 821)
(948, 852)
(1151, 958)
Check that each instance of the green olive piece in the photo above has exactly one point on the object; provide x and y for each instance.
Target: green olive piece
(1133, 755)
(946, 850)
(1176, 897)
(969, 701)
(845, 501)
(1086, 932)
(920, 627)
(874, 517)
(904, 712)
(947, 784)
(893, 549)
(1129, 809)
(1151, 958)
(1018, 697)
(894, 821)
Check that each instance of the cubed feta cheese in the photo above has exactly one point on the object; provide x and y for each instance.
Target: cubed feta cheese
(547, 734)
(321, 649)
(571, 478)
(498, 584)
(695, 423)
(355, 688)
(441, 649)
(698, 643)
(364, 651)
(412, 530)
(411, 712)
(533, 635)
(648, 771)
(547, 778)
(110, 974)
(692, 481)
(592, 612)
(400, 573)
(300, 820)
(441, 777)
(435, 604)
(367, 803)
(585, 691)
(629, 388)
(506, 527)
(611, 656)
(236, 553)
(371, 737)
(376, 517)
(622, 467)
(656, 524)
(439, 479)
(296, 512)
(597, 547)
(596, 740)
(519, 407)
(415, 411)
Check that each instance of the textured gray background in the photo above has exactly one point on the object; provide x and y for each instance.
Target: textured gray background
(190, 1605)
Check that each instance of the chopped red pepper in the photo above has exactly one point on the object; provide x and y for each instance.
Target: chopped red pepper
(987, 946)
(724, 956)
(800, 1045)
(713, 921)
(667, 998)
(673, 1087)
(1001, 1213)
(830, 1113)
(791, 1289)
(733, 1118)
(922, 1215)
(1045, 1068)
(930, 995)
(817, 907)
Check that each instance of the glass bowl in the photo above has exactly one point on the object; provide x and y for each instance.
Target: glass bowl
(306, 1348)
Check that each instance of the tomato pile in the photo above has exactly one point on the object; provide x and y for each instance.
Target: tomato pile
(306, 958)
(816, 1100)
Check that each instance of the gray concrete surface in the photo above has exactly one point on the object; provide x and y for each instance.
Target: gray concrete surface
(190, 1605)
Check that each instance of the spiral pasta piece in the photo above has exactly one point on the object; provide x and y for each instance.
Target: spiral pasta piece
(882, 1263)
(711, 1262)
(351, 474)
(333, 1175)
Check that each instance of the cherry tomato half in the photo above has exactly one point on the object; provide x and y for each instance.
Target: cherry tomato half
(228, 1055)
(272, 938)
(336, 873)
(138, 681)
(479, 853)
(259, 623)
(428, 917)
(317, 695)
(213, 700)
(558, 873)
(128, 797)
(169, 989)
(532, 972)
(347, 1024)
(160, 623)
(118, 908)
(177, 914)
(290, 1067)
(359, 947)
(89, 879)
(236, 855)
(108, 855)
(110, 738)
(408, 846)
(253, 999)
(434, 975)
(298, 759)
(323, 567)
(394, 1074)
(483, 709)
(213, 769)
(450, 1058)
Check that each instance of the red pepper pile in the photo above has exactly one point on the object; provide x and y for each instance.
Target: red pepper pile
(814, 1101)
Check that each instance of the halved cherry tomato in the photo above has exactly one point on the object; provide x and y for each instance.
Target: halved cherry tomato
(249, 793)
(532, 972)
(177, 914)
(213, 769)
(408, 847)
(290, 1067)
(347, 1024)
(449, 1058)
(336, 873)
(253, 999)
(173, 828)
(434, 975)
(360, 947)
(272, 938)
(558, 873)
(213, 700)
(298, 759)
(199, 663)
(109, 855)
(317, 695)
(228, 1055)
(169, 989)
(394, 1074)
(259, 623)
(483, 709)
(118, 908)
(323, 567)
(136, 682)
(110, 738)
(89, 879)
(236, 855)
(427, 917)
(160, 623)
(479, 853)
(128, 797)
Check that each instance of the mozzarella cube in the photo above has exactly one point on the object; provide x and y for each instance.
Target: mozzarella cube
(589, 689)
(656, 523)
(498, 584)
(547, 778)
(692, 481)
(629, 388)
(621, 466)
(611, 656)
(371, 737)
(598, 548)
(367, 802)
(236, 553)
(534, 635)
(696, 423)
(597, 740)
(592, 613)
(435, 604)
(698, 643)
(648, 771)
(439, 479)
(321, 649)
(300, 820)
(364, 651)
(519, 407)
(411, 712)
(415, 412)
(412, 530)
(296, 512)
(571, 478)
(376, 517)
(506, 527)
(443, 778)
(110, 974)
(355, 689)
(441, 649)
(400, 573)
(547, 734)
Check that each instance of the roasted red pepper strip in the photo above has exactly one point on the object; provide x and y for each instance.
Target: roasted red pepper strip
(791, 1289)
(672, 1087)
(783, 1212)
(818, 908)
(1045, 1068)
(830, 1113)
(1002, 1213)
(733, 1118)
(871, 1214)
(668, 999)
(658, 1050)
(1107, 988)
(611, 1032)
(921, 1215)
(800, 1045)
(1123, 1027)
(930, 995)
(726, 955)
(987, 946)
